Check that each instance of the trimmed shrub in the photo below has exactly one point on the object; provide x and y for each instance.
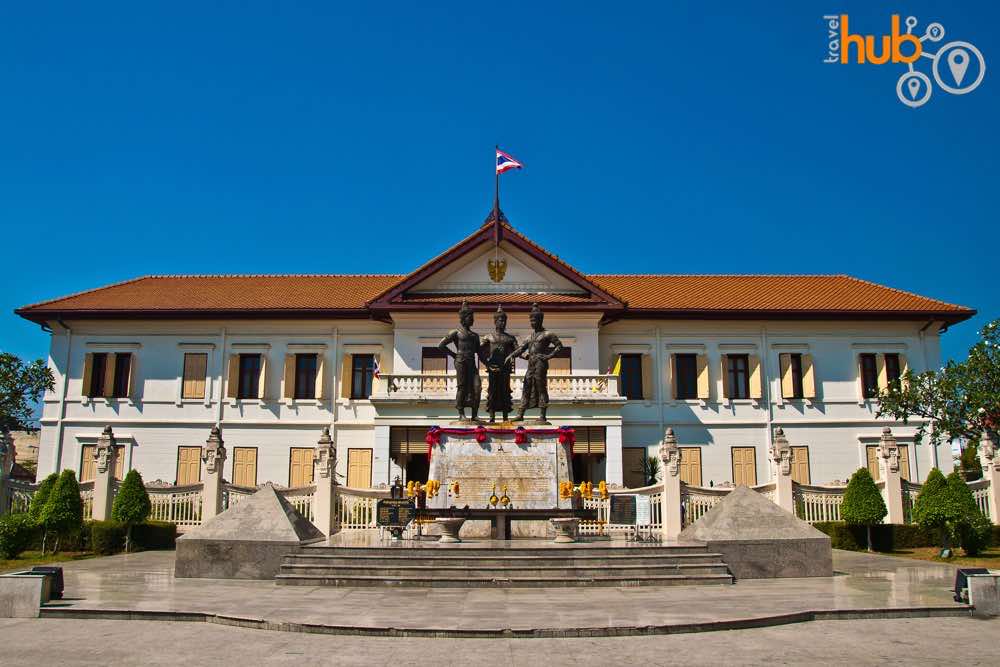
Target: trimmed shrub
(131, 505)
(41, 496)
(107, 537)
(154, 535)
(885, 536)
(63, 511)
(17, 531)
(863, 504)
(972, 529)
(935, 508)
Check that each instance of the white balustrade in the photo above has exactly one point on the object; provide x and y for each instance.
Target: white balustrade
(18, 496)
(354, 509)
(232, 494)
(818, 503)
(981, 492)
(426, 386)
(180, 505)
(301, 499)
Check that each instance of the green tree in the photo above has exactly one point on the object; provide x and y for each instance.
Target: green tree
(937, 509)
(972, 467)
(651, 469)
(38, 501)
(959, 401)
(863, 504)
(21, 386)
(971, 529)
(132, 504)
(63, 512)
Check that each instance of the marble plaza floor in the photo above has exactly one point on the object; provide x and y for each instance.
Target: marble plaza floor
(142, 585)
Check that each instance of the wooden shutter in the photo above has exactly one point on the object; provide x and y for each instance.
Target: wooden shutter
(359, 468)
(873, 466)
(300, 466)
(633, 474)
(88, 373)
(88, 467)
(744, 466)
(195, 370)
(245, 466)
(109, 374)
(690, 471)
(724, 369)
(704, 388)
(288, 378)
(590, 440)
(753, 361)
(808, 377)
(903, 369)
(132, 374)
(904, 462)
(647, 377)
(119, 462)
(345, 376)
(320, 376)
(800, 465)
(787, 385)
(883, 376)
(673, 376)
(262, 378)
(188, 465)
(233, 376)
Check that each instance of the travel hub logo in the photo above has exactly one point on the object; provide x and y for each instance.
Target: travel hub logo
(962, 63)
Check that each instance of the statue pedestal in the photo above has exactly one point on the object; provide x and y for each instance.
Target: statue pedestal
(450, 527)
(566, 530)
(531, 472)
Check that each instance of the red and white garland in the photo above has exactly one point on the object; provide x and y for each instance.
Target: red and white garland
(566, 434)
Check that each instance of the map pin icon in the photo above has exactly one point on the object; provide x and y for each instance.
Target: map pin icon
(914, 86)
(958, 62)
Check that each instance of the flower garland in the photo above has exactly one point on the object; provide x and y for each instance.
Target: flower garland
(566, 434)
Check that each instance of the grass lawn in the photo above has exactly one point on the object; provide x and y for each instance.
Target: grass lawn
(989, 558)
(31, 558)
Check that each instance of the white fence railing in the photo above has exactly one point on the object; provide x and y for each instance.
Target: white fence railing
(301, 498)
(602, 525)
(443, 386)
(980, 491)
(232, 494)
(18, 496)
(818, 503)
(354, 509)
(177, 504)
(87, 496)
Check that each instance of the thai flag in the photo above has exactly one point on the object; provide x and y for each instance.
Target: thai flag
(505, 162)
(377, 370)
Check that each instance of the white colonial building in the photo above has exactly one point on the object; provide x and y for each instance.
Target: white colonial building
(723, 360)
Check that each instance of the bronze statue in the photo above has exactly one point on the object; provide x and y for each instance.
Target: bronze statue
(494, 351)
(541, 346)
(466, 354)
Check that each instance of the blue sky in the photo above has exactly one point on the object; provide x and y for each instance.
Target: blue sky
(142, 138)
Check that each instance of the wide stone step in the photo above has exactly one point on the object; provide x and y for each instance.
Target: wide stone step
(573, 560)
(500, 582)
(441, 551)
(516, 572)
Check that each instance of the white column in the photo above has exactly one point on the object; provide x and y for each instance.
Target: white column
(380, 456)
(104, 456)
(670, 499)
(889, 465)
(781, 455)
(213, 459)
(991, 471)
(325, 462)
(613, 471)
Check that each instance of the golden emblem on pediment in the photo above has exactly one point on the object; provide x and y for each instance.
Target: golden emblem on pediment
(497, 269)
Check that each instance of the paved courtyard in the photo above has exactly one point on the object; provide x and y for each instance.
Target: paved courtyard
(927, 641)
(145, 582)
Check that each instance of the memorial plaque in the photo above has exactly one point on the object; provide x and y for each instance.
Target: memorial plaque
(643, 510)
(395, 511)
(622, 510)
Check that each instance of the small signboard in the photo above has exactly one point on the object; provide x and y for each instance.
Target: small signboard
(395, 511)
(643, 511)
(622, 510)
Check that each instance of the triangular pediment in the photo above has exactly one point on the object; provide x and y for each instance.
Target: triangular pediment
(496, 264)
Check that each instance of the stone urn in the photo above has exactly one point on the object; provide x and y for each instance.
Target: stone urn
(450, 526)
(566, 529)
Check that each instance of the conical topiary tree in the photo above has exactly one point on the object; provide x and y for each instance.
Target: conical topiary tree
(971, 529)
(63, 511)
(863, 504)
(132, 504)
(936, 508)
(38, 501)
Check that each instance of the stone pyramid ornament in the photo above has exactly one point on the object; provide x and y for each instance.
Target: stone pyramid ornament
(247, 541)
(759, 540)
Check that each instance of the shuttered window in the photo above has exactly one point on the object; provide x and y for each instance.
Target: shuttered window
(97, 364)
(245, 466)
(195, 370)
(690, 465)
(407, 440)
(871, 452)
(800, 465)
(249, 379)
(188, 465)
(359, 468)
(904, 462)
(685, 376)
(305, 376)
(869, 375)
(562, 363)
(737, 368)
(744, 466)
(631, 377)
(88, 466)
(362, 375)
(590, 440)
(633, 468)
(300, 466)
(892, 370)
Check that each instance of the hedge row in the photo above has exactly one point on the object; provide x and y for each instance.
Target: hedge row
(18, 533)
(885, 536)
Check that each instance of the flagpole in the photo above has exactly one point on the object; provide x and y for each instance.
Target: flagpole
(496, 188)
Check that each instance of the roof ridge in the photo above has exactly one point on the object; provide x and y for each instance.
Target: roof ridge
(82, 292)
(907, 293)
(719, 275)
(274, 275)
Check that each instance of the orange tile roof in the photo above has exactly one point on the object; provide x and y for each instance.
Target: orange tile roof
(665, 295)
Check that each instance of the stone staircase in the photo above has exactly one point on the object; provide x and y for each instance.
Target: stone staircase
(466, 566)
